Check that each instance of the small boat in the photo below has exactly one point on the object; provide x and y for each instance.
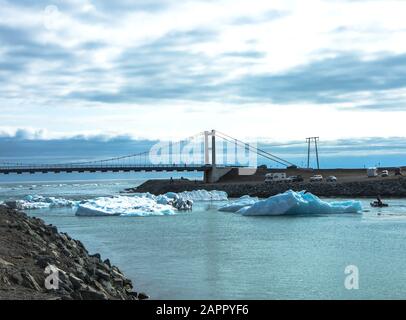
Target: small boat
(376, 204)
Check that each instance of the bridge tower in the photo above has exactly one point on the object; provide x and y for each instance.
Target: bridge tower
(212, 172)
(208, 148)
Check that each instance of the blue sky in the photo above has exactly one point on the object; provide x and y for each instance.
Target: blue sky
(272, 71)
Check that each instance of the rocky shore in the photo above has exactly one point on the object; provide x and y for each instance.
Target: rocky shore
(38, 262)
(393, 187)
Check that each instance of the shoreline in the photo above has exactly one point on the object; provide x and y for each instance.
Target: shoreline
(392, 188)
(31, 252)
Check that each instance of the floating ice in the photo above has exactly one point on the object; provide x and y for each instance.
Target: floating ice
(238, 204)
(137, 205)
(201, 195)
(146, 204)
(297, 203)
(31, 202)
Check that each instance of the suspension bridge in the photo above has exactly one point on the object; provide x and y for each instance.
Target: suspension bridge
(198, 153)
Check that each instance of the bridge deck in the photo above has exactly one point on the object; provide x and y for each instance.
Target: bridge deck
(81, 169)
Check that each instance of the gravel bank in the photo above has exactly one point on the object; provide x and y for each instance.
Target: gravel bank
(394, 187)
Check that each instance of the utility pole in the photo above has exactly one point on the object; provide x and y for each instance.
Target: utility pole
(309, 141)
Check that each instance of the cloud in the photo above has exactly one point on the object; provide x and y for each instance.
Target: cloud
(328, 80)
(157, 75)
(226, 57)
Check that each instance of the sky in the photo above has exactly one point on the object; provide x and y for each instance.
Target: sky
(270, 71)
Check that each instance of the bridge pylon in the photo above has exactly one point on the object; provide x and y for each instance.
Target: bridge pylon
(208, 148)
(212, 173)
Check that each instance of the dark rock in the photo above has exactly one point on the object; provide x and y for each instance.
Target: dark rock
(76, 282)
(96, 256)
(127, 282)
(16, 278)
(11, 204)
(142, 296)
(90, 293)
(44, 261)
(107, 261)
(118, 282)
(102, 274)
(52, 228)
(29, 281)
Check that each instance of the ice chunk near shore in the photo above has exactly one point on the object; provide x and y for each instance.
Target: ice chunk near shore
(139, 205)
(175, 200)
(299, 203)
(202, 195)
(234, 206)
(32, 202)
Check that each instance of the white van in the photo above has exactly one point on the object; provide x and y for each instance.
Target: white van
(372, 172)
(275, 177)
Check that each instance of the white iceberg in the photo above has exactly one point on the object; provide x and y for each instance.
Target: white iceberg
(298, 203)
(201, 195)
(138, 205)
(32, 202)
(146, 204)
(234, 206)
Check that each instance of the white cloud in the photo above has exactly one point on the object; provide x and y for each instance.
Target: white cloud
(59, 69)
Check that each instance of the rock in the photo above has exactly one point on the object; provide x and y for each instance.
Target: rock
(127, 282)
(117, 272)
(107, 262)
(5, 264)
(44, 261)
(90, 293)
(52, 229)
(96, 256)
(118, 282)
(102, 274)
(16, 278)
(11, 204)
(142, 296)
(79, 260)
(76, 282)
(29, 281)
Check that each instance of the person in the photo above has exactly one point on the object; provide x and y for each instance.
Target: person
(379, 201)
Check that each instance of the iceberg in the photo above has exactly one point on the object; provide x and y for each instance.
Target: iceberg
(139, 205)
(146, 204)
(294, 203)
(32, 202)
(234, 206)
(201, 195)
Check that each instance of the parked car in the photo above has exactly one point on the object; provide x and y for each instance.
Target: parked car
(331, 179)
(316, 178)
(275, 177)
(298, 178)
(385, 173)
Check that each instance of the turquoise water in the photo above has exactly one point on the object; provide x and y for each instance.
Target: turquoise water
(207, 254)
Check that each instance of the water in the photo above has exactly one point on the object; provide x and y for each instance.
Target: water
(206, 254)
